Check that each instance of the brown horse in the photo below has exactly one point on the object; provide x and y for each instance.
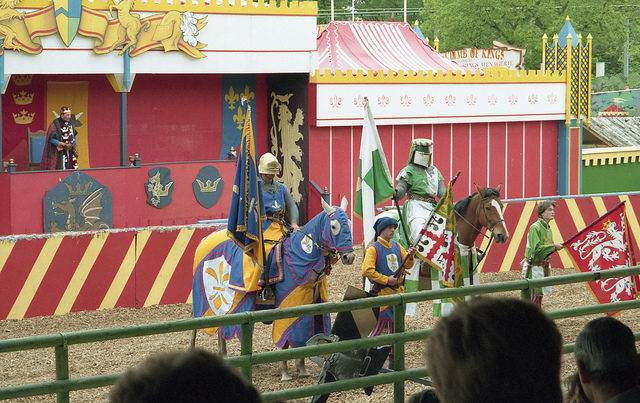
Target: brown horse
(479, 210)
(474, 213)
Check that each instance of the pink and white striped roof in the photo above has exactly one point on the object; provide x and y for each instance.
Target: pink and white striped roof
(374, 45)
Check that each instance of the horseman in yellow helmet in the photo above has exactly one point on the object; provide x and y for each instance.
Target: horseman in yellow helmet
(282, 212)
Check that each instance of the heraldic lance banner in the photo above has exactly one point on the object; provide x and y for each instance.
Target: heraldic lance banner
(604, 245)
(436, 244)
(246, 213)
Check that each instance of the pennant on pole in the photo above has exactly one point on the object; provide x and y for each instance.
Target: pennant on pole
(374, 179)
(436, 244)
(247, 210)
(604, 245)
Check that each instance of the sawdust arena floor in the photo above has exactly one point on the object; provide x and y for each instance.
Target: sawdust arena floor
(117, 355)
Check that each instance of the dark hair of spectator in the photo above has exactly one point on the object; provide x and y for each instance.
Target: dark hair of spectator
(495, 350)
(183, 376)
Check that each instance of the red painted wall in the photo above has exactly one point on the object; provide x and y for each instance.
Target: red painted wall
(478, 150)
(175, 117)
(26, 190)
(158, 270)
(170, 118)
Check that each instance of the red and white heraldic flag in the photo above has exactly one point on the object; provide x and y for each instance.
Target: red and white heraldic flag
(604, 245)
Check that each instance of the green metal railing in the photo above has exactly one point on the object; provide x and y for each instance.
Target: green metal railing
(247, 359)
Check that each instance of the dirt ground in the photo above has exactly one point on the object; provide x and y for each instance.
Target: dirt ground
(115, 356)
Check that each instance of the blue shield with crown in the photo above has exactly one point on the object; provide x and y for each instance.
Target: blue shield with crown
(67, 14)
(207, 187)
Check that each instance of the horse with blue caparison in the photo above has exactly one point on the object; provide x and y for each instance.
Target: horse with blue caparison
(296, 268)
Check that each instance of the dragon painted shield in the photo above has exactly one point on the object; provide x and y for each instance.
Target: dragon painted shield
(78, 203)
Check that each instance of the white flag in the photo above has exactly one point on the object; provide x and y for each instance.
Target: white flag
(374, 180)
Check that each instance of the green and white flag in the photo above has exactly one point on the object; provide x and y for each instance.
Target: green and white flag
(374, 180)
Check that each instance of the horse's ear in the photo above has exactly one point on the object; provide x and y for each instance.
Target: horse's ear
(326, 207)
(344, 203)
(498, 187)
(479, 190)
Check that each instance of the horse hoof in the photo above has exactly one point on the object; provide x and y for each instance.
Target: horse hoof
(303, 374)
(285, 378)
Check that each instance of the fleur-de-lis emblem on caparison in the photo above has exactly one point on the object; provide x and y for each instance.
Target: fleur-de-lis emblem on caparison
(218, 296)
(231, 97)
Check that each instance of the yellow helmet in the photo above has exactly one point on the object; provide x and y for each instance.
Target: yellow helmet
(269, 164)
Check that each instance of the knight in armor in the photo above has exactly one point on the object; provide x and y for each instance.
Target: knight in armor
(423, 184)
(281, 209)
(61, 149)
(382, 261)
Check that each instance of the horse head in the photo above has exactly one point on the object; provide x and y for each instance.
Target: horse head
(491, 216)
(336, 232)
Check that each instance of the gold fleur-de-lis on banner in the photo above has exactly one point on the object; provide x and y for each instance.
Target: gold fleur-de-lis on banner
(231, 97)
(239, 118)
(248, 94)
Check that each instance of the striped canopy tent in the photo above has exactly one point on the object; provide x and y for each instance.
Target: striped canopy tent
(376, 45)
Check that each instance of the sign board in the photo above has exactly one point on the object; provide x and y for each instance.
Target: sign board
(500, 55)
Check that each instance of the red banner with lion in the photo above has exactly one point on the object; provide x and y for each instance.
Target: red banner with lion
(604, 245)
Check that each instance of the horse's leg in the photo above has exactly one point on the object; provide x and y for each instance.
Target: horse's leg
(222, 345)
(282, 366)
(302, 370)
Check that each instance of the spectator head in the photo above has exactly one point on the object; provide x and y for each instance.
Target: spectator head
(183, 376)
(495, 350)
(605, 352)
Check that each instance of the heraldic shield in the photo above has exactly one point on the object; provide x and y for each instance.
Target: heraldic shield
(159, 187)
(208, 186)
(67, 14)
(78, 203)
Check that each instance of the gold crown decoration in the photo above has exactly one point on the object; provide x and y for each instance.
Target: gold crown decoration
(78, 191)
(23, 117)
(208, 187)
(23, 98)
(22, 80)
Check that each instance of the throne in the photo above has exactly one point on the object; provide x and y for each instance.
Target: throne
(35, 143)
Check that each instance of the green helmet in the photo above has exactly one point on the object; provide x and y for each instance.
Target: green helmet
(421, 148)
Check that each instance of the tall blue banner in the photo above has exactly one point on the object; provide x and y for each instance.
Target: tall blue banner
(235, 87)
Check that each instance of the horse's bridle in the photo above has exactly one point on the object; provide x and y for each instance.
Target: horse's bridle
(486, 219)
(331, 251)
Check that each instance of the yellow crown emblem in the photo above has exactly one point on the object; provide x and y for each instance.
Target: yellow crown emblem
(79, 190)
(23, 98)
(22, 79)
(23, 117)
(208, 187)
